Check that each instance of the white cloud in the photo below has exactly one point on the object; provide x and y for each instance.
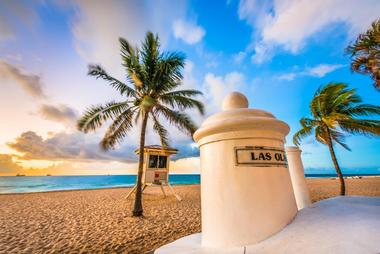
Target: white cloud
(11, 167)
(255, 12)
(88, 168)
(75, 146)
(189, 81)
(239, 57)
(59, 113)
(263, 52)
(187, 31)
(318, 71)
(287, 76)
(217, 87)
(30, 83)
(211, 59)
(8, 165)
(98, 25)
(188, 165)
(14, 57)
(323, 69)
(289, 24)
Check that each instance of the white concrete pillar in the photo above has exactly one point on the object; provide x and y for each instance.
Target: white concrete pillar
(297, 174)
(246, 191)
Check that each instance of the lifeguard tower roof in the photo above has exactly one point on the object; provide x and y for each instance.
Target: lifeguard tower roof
(158, 148)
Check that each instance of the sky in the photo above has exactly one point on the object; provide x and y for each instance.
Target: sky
(275, 52)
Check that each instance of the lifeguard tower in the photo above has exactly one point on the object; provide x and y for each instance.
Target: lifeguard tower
(156, 168)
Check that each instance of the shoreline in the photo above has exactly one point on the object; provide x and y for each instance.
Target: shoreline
(182, 184)
(90, 189)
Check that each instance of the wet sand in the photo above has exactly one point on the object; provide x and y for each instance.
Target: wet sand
(98, 221)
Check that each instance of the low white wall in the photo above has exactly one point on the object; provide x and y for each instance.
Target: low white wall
(297, 174)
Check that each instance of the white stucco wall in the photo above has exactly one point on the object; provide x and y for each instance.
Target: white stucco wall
(242, 204)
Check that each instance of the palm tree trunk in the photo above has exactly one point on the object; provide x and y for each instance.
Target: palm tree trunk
(138, 209)
(337, 168)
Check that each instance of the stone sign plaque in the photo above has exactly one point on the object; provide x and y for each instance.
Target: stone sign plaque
(260, 156)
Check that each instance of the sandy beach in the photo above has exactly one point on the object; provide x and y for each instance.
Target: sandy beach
(98, 221)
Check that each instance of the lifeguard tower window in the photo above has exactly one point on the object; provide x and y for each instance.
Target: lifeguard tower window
(162, 161)
(156, 161)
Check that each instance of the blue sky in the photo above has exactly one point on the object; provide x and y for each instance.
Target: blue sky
(276, 52)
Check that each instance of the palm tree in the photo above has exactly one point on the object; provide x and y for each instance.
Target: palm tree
(335, 109)
(154, 77)
(365, 53)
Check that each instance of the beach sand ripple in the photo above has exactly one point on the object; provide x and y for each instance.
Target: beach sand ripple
(95, 221)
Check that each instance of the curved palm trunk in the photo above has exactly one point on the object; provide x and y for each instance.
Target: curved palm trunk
(138, 209)
(337, 168)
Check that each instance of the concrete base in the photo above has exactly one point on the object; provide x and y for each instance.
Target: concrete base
(348, 224)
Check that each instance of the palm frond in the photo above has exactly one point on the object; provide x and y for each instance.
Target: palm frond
(95, 116)
(360, 65)
(363, 110)
(168, 73)
(365, 53)
(364, 127)
(186, 93)
(161, 131)
(181, 120)
(366, 42)
(334, 98)
(307, 122)
(173, 63)
(302, 133)
(339, 138)
(99, 72)
(126, 48)
(150, 54)
(118, 130)
(131, 61)
(321, 134)
(182, 102)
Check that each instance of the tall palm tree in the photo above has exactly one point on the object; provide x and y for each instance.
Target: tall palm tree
(154, 77)
(335, 109)
(365, 53)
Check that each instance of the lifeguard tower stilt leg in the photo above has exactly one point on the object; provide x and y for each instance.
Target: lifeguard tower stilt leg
(133, 190)
(178, 197)
(162, 189)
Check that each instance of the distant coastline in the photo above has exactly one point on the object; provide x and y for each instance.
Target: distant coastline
(345, 175)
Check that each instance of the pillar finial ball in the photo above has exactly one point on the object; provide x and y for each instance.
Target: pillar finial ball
(234, 100)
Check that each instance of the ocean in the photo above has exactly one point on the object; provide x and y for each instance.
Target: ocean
(26, 184)
(23, 184)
